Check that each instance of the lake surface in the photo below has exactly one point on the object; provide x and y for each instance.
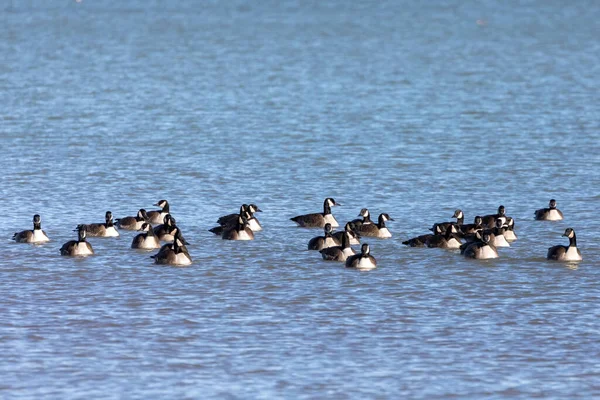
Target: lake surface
(406, 108)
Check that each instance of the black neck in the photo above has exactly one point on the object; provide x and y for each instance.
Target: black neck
(37, 225)
(326, 208)
(165, 209)
(150, 232)
(109, 223)
(573, 241)
(460, 220)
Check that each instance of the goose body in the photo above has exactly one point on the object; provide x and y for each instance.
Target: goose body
(349, 230)
(322, 242)
(318, 220)
(246, 210)
(363, 261)
(480, 249)
(173, 253)
(106, 229)
(365, 220)
(378, 230)
(509, 233)
(35, 235)
(460, 218)
(566, 253)
(78, 247)
(146, 240)
(133, 223)
(338, 253)
(551, 213)
(240, 231)
(157, 216)
(448, 240)
(489, 221)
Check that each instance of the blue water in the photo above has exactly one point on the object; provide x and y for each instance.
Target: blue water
(406, 108)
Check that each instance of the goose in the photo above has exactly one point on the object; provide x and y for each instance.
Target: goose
(350, 230)
(549, 214)
(79, 247)
(157, 217)
(366, 218)
(477, 225)
(322, 242)
(106, 229)
(362, 261)
(566, 253)
(36, 235)
(318, 220)
(338, 253)
(133, 223)
(420, 241)
(166, 231)
(497, 235)
(174, 253)
(240, 231)
(449, 240)
(489, 221)
(509, 233)
(247, 210)
(481, 249)
(146, 240)
(378, 230)
(460, 218)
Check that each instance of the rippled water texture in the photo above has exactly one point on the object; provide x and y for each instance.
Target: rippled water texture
(406, 108)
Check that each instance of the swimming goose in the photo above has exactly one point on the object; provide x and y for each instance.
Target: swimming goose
(322, 242)
(174, 253)
(467, 229)
(338, 253)
(146, 240)
(318, 220)
(448, 240)
(362, 261)
(133, 223)
(366, 218)
(509, 233)
(497, 235)
(481, 249)
(378, 230)
(566, 253)
(460, 218)
(549, 214)
(489, 221)
(36, 235)
(240, 231)
(420, 241)
(246, 210)
(106, 229)
(157, 217)
(79, 247)
(350, 230)
(166, 231)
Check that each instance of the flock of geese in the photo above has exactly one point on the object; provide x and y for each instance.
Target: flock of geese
(479, 240)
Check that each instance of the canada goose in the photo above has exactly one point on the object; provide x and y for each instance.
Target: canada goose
(449, 240)
(79, 247)
(480, 249)
(549, 214)
(246, 210)
(338, 253)
(318, 220)
(106, 229)
(146, 240)
(240, 231)
(36, 235)
(166, 231)
(477, 225)
(566, 253)
(322, 242)
(362, 261)
(509, 233)
(174, 253)
(460, 218)
(420, 241)
(489, 221)
(350, 230)
(133, 223)
(499, 240)
(378, 230)
(157, 217)
(366, 218)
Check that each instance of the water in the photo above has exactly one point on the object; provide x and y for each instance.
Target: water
(411, 109)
